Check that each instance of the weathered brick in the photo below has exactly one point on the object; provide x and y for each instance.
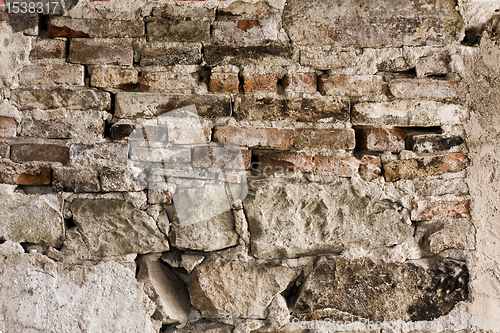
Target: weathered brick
(351, 85)
(216, 55)
(149, 133)
(244, 31)
(220, 157)
(32, 173)
(434, 65)
(336, 166)
(428, 143)
(62, 124)
(101, 52)
(4, 150)
(300, 82)
(183, 134)
(56, 98)
(8, 127)
(324, 138)
(172, 81)
(423, 88)
(259, 83)
(255, 137)
(327, 59)
(27, 152)
(434, 210)
(91, 155)
(148, 105)
(169, 54)
(167, 155)
(114, 77)
(370, 167)
(283, 162)
(52, 75)
(450, 235)
(120, 131)
(183, 12)
(241, 9)
(161, 196)
(398, 64)
(387, 23)
(224, 82)
(381, 139)
(293, 109)
(121, 179)
(27, 23)
(47, 48)
(168, 30)
(92, 28)
(425, 166)
(68, 179)
(229, 177)
(408, 113)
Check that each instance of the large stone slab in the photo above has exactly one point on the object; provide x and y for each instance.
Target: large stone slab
(32, 218)
(221, 288)
(113, 227)
(41, 295)
(292, 218)
(339, 289)
(360, 23)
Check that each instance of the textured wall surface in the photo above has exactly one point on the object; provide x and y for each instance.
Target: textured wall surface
(249, 166)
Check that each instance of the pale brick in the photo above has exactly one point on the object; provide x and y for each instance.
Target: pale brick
(53, 75)
(300, 82)
(56, 98)
(370, 167)
(224, 82)
(39, 152)
(168, 30)
(435, 210)
(167, 155)
(351, 85)
(98, 154)
(324, 138)
(255, 137)
(283, 162)
(434, 65)
(398, 64)
(8, 127)
(100, 28)
(327, 59)
(183, 12)
(336, 166)
(161, 195)
(170, 54)
(381, 139)
(244, 31)
(216, 55)
(67, 179)
(149, 133)
(47, 49)
(101, 52)
(171, 81)
(425, 166)
(31, 173)
(450, 235)
(423, 88)
(259, 83)
(429, 143)
(185, 135)
(114, 77)
(221, 157)
(241, 9)
(120, 179)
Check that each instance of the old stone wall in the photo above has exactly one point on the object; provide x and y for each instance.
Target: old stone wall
(249, 166)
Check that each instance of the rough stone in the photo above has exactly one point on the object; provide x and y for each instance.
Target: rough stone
(351, 85)
(435, 65)
(94, 28)
(101, 52)
(425, 166)
(121, 180)
(190, 261)
(450, 235)
(67, 179)
(113, 77)
(108, 154)
(292, 218)
(433, 210)
(292, 109)
(15, 52)
(32, 218)
(8, 127)
(203, 326)
(113, 227)
(53, 75)
(161, 195)
(255, 137)
(166, 290)
(33, 173)
(408, 113)
(39, 152)
(56, 98)
(324, 138)
(342, 289)
(170, 54)
(47, 49)
(221, 288)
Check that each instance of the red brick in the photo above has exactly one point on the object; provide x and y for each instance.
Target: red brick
(8, 127)
(220, 157)
(300, 82)
(224, 82)
(423, 88)
(67, 179)
(114, 77)
(282, 162)
(435, 65)
(168, 81)
(39, 152)
(324, 138)
(425, 166)
(24, 174)
(380, 139)
(370, 168)
(47, 49)
(432, 210)
(53, 75)
(85, 28)
(255, 137)
(351, 85)
(260, 83)
(101, 52)
(336, 166)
